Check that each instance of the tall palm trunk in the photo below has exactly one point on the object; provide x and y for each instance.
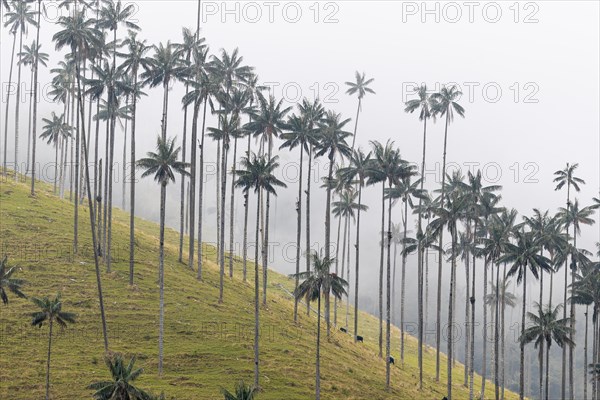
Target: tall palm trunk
(585, 357)
(161, 276)
(256, 290)
(298, 229)
(318, 361)
(310, 151)
(124, 188)
(218, 199)
(232, 209)
(440, 261)
(337, 251)
(98, 168)
(108, 203)
(200, 193)
(17, 104)
(387, 295)
(192, 211)
(381, 254)
(98, 209)
(356, 123)
(357, 250)
(522, 344)
(394, 265)
(503, 334)
(182, 195)
(564, 348)
(328, 237)
(496, 335)
(348, 239)
(29, 126)
(467, 310)
(471, 362)
(92, 224)
(403, 280)
(547, 369)
(132, 183)
(10, 71)
(245, 245)
(485, 330)
(541, 367)
(451, 316)
(572, 320)
(420, 255)
(76, 197)
(222, 221)
(50, 323)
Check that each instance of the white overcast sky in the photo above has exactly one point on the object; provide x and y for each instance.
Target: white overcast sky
(528, 70)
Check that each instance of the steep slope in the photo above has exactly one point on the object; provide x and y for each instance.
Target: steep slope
(207, 345)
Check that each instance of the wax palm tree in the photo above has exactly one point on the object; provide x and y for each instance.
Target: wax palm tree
(199, 87)
(575, 216)
(29, 57)
(257, 173)
(361, 166)
(444, 103)
(163, 165)
(406, 190)
(242, 392)
(8, 283)
(229, 129)
(566, 177)
(133, 60)
(546, 327)
(35, 68)
(320, 281)
(121, 386)
(113, 14)
(50, 311)
(298, 135)
(449, 216)
(522, 255)
(79, 34)
(423, 104)
(54, 132)
(19, 18)
(385, 162)
(236, 102)
(313, 112)
(332, 142)
(13, 31)
(268, 121)
(166, 65)
(360, 88)
(192, 48)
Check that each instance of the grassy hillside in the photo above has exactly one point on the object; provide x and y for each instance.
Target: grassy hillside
(207, 345)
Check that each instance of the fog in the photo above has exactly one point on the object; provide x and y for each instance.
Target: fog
(528, 73)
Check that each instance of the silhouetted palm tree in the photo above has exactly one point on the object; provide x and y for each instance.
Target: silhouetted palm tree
(242, 392)
(361, 88)
(121, 386)
(8, 283)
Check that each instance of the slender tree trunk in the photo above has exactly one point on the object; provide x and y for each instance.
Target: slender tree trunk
(348, 239)
(200, 193)
(218, 200)
(503, 334)
(97, 168)
(357, 257)
(337, 250)
(223, 187)
(547, 369)
(124, 183)
(17, 104)
(485, 329)
(585, 357)
(298, 229)
(467, 313)
(403, 281)
(522, 344)
(318, 362)
(48, 359)
(344, 242)
(232, 209)
(381, 254)
(29, 126)
(245, 246)
(356, 123)
(310, 151)
(161, 277)
(257, 291)
(182, 196)
(99, 210)
(388, 304)
(76, 197)
(193, 180)
(472, 328)
(541, 362)
(92, 225)
(451, 316)
(10, 71)
(109, 206)
(496, 335)
(420, 257)
(132, 183)
(394, 265)
(440, 261)
(328, 238)
(572, 322)
(106, 181)
(564, 348)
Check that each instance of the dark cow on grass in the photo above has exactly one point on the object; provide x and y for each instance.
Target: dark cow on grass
(359, 339)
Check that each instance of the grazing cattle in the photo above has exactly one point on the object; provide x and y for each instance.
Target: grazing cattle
(344, 330)
(445, 398)
(392, 360)
(359, 338)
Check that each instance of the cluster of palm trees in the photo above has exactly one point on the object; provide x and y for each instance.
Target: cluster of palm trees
(108, 71)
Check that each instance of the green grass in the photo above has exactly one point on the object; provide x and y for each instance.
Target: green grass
(207, 345)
